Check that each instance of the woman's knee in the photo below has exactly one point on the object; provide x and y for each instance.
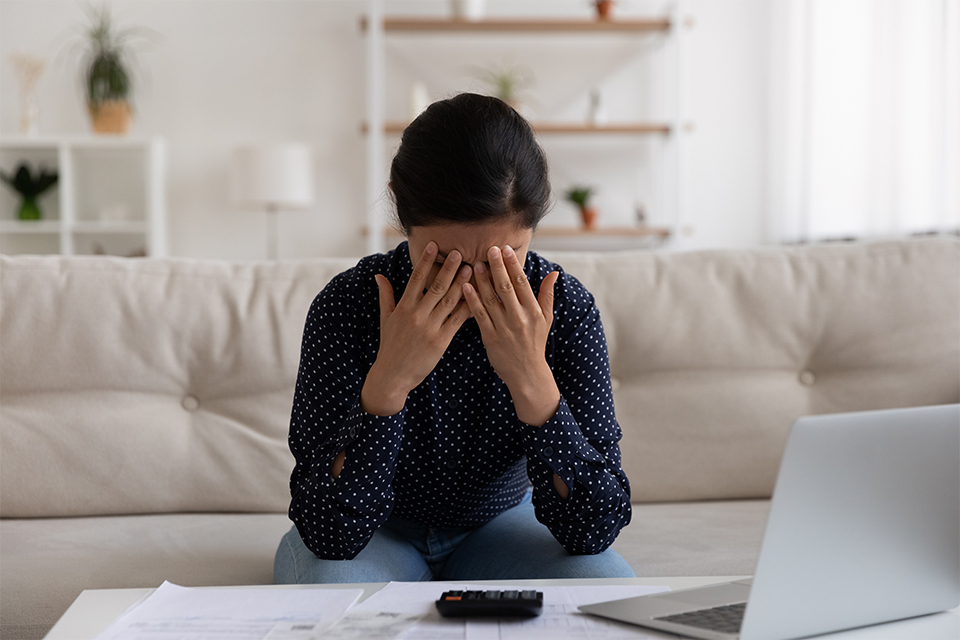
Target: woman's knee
(286, 562)
(514, 545)
(608, 564)
(385, 558)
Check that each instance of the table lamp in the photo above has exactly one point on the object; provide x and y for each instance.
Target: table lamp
(275, 177)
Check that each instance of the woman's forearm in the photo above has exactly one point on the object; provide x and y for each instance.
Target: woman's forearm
(535, 396)
(381, 395)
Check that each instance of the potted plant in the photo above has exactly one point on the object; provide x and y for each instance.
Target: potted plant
(106, 73)
(506, 83)
(604, 7)
(29, 188)
(580, 196)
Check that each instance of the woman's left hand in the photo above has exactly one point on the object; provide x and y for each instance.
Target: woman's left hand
(514, 325)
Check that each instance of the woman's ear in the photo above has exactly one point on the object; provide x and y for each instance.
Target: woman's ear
(390, 186)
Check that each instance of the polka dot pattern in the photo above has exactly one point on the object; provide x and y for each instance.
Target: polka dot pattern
(456, 455)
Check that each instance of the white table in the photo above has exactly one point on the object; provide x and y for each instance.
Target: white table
(95, 609)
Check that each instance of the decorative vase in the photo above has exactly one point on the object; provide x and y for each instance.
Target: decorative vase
(603, 9)
(596, 114)
(589, 216)
(111, 116)
(29, 69)
(29, 209)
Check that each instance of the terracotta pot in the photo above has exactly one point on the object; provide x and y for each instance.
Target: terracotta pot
(603, 9)
(112, 116)
(589, 216)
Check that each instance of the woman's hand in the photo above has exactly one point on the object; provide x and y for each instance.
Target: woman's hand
(514, 325)
(415, 332)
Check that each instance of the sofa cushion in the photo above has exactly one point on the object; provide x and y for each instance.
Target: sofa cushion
(46, 563)
(715, 354)
(148, 386)
(715, 538)
(152, 386)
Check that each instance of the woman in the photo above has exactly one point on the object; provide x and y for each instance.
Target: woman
(441, 380)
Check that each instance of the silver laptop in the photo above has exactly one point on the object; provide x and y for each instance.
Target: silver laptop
(864, 528)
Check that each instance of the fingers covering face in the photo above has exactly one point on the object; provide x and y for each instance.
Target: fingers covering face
(503, 289)
(421, 270)
(518, 278)
(448, 303)
(483, 300)
(441, 284)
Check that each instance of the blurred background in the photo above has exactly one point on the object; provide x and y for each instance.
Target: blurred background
(693, 124)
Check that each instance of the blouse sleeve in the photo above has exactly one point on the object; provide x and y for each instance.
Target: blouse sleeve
(580, 442)
(337, 517)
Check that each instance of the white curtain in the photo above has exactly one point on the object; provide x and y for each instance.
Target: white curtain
(864, 118)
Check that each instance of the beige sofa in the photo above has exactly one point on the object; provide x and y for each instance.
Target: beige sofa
(144, 403)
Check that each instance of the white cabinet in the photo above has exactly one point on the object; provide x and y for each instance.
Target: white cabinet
(110, 197)
(648, 128)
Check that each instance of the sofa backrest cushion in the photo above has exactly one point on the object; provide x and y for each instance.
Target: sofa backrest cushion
(714, 355)
(149, 386)
(146, 386)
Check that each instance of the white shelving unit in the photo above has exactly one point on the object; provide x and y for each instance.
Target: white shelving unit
(667, 175)
(110, 197)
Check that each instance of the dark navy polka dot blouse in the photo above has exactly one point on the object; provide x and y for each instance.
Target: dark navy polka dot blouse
(456, 455)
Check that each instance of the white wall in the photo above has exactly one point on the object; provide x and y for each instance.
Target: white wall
(232, 72)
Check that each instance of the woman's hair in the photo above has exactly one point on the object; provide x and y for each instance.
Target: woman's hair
(469, 159)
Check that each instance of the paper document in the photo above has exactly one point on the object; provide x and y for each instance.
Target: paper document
(186, 613)
(371, 625)
(559, 620)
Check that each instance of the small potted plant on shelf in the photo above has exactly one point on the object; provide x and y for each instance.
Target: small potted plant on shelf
(30, 188)
(507, 83)
(580, 196)
(106, 72)
(604, 8)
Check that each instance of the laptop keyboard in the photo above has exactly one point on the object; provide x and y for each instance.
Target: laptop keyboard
(726, 619)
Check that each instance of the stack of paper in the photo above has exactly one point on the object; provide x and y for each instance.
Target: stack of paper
(401, 610)
(181, 613)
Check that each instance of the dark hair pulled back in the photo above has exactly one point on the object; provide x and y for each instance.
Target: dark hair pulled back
(469, 159)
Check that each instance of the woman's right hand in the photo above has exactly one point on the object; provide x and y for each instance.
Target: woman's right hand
(415, 333)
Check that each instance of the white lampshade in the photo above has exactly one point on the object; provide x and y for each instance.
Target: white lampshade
(278, 175)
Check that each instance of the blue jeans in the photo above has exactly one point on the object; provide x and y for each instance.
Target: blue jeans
(511, 546)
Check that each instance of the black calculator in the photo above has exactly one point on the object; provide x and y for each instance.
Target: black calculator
(495, 604)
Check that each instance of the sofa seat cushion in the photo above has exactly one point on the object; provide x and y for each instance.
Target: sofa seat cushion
(716, 538)
(46, 563)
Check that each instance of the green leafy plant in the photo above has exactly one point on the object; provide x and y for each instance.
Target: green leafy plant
(30, 187)
(579, 195)
(507, 83)
(107, 77)
(107, 57)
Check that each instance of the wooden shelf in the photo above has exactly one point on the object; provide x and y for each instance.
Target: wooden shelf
(621, 127)
(504, 25)
(641, 128)
(603, 232)
(573, 232)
